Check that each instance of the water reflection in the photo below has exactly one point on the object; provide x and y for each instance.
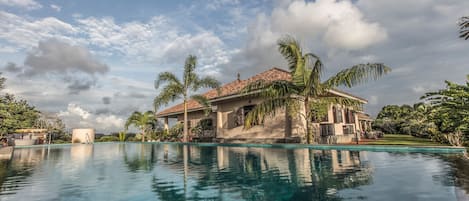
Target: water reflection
(135, 171)
(264, 174)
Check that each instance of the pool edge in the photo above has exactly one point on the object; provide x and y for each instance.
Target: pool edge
(375, 148)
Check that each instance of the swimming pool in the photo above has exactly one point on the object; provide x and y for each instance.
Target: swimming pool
(135, 171)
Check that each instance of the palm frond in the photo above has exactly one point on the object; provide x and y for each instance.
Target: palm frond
(270, 89)
(202, 100)
(290, 50)
(464, 28)
(337, 100)
(166, 77)
(189, 68)
(268, 108)
(313, 84)
(357, 74)
(208, 82)
(133, 119)
(168, 94)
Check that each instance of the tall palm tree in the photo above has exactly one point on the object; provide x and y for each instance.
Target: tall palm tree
(306, 91)
(464, 27)
(176, 88)
(143, 121)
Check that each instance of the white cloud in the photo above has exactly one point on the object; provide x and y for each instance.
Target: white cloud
(23, 33)
(75, 110)
(77, 117)
(339, 23)
(26, 4)
(56, 7)
(156, 41)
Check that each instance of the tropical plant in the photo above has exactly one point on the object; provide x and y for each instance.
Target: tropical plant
(464, 27)
(122, 135)
(451, 107)
(16, 114)
(143, 121)
(306, 90)
(55, 127)
(108, 138)
(176, 88)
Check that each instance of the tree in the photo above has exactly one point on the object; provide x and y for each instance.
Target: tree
(2, 81)
(176, 88)
(143, 121)
(451, 107)
(306, 90)
(55, 127)
(16, 114)
(464, 27)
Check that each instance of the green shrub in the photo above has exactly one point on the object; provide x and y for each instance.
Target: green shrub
(108, 138)
(60, 142)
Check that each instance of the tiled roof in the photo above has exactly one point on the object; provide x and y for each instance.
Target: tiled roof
(231, 88)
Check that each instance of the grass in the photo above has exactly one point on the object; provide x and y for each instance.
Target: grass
(407, 140)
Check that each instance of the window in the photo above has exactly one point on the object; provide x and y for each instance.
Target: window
(242, 113)
(349, 117)
(337, 115)
(327, 129)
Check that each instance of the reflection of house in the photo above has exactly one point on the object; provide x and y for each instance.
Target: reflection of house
(30, 136)
(230, 108)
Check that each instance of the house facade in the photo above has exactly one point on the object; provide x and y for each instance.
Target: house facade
(229, 108)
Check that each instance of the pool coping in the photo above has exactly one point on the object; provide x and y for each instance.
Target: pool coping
(375, 148)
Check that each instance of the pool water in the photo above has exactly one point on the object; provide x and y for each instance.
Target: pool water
(134, 171)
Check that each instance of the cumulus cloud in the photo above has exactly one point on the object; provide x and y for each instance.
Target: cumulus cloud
(26, 4)
(60, 57)
(340, 24)
(328, 26)
(74, 64)
(77, 117)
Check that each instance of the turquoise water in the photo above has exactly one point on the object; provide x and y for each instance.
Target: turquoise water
(188, 172)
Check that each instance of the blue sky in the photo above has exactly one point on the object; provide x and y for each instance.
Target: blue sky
(94, 62)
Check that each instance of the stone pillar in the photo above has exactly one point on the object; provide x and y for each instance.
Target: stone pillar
(166, 124)
(219, 123)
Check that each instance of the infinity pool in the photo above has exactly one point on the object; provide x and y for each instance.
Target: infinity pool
(136, 171)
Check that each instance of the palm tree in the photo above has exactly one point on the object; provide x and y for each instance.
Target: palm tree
(175, 88)
(144, 122)
(306, 91)
(464, 27)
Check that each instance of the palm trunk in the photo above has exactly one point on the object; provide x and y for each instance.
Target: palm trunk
(309, 130)
(143, 134)
(185, 122)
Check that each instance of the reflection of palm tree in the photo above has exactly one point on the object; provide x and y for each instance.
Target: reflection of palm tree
(141, 162)
(167, 190)
(247, 176)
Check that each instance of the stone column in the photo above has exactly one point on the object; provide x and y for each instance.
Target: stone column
(166, 126)
(219, 122)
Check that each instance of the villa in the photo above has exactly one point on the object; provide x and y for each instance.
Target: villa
(229, 108)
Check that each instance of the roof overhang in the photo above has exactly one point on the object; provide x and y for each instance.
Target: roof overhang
(346, 95)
